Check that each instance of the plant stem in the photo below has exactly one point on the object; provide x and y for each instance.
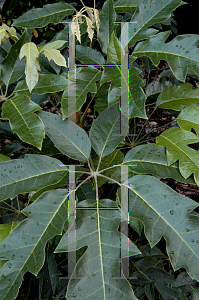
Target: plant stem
(92, 164)
(57, 96)
(55, 106)
(156, 129)
(12, 37)
(145, 124)
(83, 116)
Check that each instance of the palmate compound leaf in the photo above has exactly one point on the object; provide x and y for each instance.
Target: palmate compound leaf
(97, 229)
(147, 14)
(176, 140)
(28, 174)
(151, 159)
(28, 126)
(79, 84)
(137, 96)
(189, 118)
(176, 98)
(166, 213)
(31, 53)
(40, 17)
(68, 137)
(105, 131)
(181, 53)
(24, 248)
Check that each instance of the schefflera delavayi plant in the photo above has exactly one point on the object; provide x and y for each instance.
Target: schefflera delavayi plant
(155, 210)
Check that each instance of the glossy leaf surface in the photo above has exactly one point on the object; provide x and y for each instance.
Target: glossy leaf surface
(68, 137)
(101, 259)
(40, 17)
(29, 174)
(176, 141)
(28, 126)
(24, 248)
(181, 53)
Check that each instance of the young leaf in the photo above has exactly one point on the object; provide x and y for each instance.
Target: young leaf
(40, 17)
(150, 159)
(79, 85)
(97, 19)
(176, 141)
(20, 109)
(53, 45)
(68, 137)
(89, 28)
(188, 118)
(115, 51)
(101, 259)
(31, 53)
(29, 174)
(166, 213)
(181, 53)
(24, 248)
(175, 99)
(147, 15)
(103, 130)
(55, 55)
(107, 19)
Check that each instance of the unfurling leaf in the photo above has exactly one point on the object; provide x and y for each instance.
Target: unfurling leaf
(97, 19)
(89, 28)
(31, 53)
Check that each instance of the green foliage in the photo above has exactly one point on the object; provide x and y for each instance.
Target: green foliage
(116, 172)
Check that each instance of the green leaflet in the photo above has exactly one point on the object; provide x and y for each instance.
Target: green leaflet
(28, 126)
(105, 131)
(188, 118)
(176, 141)
(31, 53)
(5, 230)
(107, 18)
(176, 98)
(80, 84)
(68, 137)
(126, 6)
(137, 96)
(101, 260)
(150, 159)
(24, 248)
(10, 62)
(166, 213)
(181, 53)
(29, 174)
(115, 51)
(47, 83)
(40, 17)
(4, 158)
(147, 14)
(89, 56)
